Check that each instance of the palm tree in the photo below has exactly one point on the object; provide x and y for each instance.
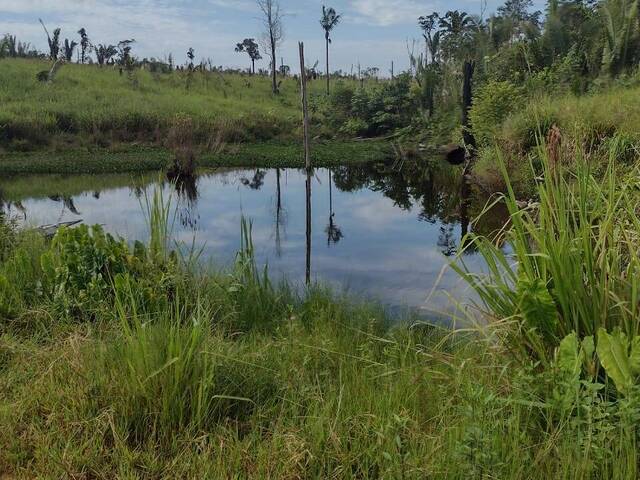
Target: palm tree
(456, 27)
(328, 21)
(429, 26)
(104, 53)
(85, 44)
(69, 47)
(620, 33)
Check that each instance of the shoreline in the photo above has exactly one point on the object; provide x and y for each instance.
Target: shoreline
(143, 158)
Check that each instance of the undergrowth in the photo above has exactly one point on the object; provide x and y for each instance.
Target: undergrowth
(131, 360)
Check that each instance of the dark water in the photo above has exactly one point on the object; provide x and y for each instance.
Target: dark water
(377, 231)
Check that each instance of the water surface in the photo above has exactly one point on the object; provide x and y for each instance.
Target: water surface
(381, 232)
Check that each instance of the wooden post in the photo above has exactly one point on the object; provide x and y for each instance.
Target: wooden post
(305, 109)
(392, 76)
(307, 156)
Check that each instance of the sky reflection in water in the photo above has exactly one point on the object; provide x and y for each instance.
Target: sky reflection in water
(376, 232)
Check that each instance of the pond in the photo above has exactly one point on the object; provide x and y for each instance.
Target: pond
(377, 231)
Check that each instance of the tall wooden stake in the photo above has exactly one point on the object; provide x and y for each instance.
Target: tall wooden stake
(307, 155)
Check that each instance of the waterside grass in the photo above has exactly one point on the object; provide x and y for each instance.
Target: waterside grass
(144, 158)
(135, 362)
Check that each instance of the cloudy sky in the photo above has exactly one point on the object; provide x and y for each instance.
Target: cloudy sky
(373, 32)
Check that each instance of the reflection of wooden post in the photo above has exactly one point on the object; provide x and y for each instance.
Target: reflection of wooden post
(307, 155)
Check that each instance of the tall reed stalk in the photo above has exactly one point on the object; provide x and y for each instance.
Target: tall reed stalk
(160, 221)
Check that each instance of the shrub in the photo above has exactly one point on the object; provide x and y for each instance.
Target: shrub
(492, 103)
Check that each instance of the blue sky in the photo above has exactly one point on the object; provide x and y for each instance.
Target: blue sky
(373, 32)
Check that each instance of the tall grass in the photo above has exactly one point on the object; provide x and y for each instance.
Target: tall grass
(573, 263)
(92, 106)
(191, 374)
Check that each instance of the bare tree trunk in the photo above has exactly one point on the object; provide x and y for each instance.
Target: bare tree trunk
(274, 80)
(328, 74)
(253, 66)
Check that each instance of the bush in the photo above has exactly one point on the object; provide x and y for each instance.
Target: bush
(371, 111)
(492, 103)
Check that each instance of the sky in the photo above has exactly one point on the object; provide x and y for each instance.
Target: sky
(372, 32)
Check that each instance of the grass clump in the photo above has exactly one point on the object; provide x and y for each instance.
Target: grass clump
(576, 265)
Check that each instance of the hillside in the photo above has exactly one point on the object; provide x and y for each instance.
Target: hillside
(88, 105)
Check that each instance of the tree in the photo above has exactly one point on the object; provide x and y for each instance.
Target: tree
(250, 46)
(104, 53)
(125, 60)
(69, 47)
(456, 27)
(328, 21)
(431, 34)
(273, 33)
(54, 42)
(520, 22)
(191, 54)
(85, 44)
(621, 35)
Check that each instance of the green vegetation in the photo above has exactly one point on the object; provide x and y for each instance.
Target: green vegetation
(88, 105)
(133, 361)
(140, 158)
(120, 359)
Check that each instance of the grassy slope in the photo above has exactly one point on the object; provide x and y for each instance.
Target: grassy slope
(90, 105)
(93, 120)
(599, 124)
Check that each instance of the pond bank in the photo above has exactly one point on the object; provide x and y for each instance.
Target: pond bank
(139, 158)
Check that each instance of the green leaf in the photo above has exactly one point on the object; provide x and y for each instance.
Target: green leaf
(634, 358)
(537, 305)
(569, 360)
(612, 351)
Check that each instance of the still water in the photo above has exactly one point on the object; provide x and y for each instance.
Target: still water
(378, 232)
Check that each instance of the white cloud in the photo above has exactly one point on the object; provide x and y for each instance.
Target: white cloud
(388, 12)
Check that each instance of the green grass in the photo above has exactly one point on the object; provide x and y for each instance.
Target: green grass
(92, 106)
(141, 158)
(135, 362)
(592, 124)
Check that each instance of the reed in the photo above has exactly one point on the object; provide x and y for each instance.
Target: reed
(571, 264)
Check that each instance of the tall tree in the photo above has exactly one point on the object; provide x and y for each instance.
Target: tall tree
(519, 21)
(69, 47)
(329, 20)
(85, 44)
(124, 54)
(250, 46)
(54, 42)
(272, 19)
(429, 25)
(621, 35)
(456, 28)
